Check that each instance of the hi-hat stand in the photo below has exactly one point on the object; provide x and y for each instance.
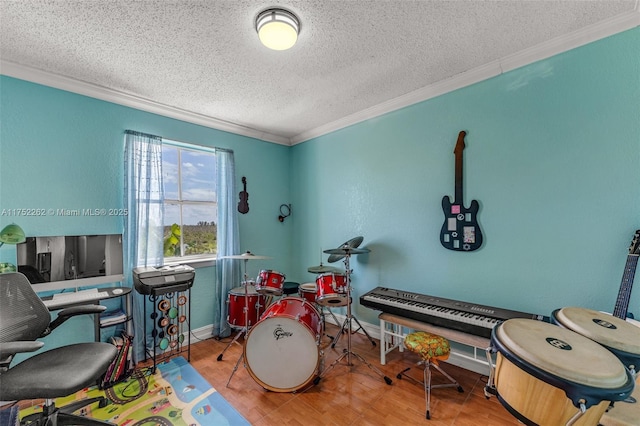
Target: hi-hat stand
(346, 325)
(245, 329)
(347, 251)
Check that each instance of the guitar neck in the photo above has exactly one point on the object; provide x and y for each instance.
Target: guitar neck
(458, 193)
(624, 294)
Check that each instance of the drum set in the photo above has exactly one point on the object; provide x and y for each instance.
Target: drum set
(567, 372)
(281, 349)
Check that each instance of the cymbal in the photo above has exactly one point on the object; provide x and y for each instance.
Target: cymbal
(322, 269)
(353, 243)
(347, 250)
(246, 256)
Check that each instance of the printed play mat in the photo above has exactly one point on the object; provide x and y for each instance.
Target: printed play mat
(175, 395)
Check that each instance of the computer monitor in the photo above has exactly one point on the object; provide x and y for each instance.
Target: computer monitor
(60, 262)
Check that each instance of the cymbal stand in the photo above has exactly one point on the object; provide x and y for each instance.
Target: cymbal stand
(321, 308)
(348, 352)
(245, 328)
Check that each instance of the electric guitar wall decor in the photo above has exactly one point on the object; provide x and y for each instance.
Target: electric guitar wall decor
(460, 230)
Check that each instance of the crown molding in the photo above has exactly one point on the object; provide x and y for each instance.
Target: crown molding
(606, 28)
(57, 81)
(542, 51)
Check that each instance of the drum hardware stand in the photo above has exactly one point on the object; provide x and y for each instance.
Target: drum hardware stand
(348, 352)
(344, 328)
(576, 417)
(245, 328)
(324, 322)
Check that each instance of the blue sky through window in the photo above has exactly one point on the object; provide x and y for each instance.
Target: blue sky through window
(198, 171)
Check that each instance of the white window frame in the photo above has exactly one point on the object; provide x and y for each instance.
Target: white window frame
(206, 259)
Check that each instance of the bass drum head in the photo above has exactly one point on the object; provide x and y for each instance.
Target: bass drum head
(561, 353)
(281, 354)
(609, 331)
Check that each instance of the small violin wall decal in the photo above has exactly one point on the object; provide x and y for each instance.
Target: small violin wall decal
(243, 204)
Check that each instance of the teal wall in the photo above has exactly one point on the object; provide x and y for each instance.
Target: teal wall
(552, 156)
(65, 151)
(553, 153)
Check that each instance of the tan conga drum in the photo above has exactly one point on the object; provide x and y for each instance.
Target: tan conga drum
(548, 375)
(617, 335)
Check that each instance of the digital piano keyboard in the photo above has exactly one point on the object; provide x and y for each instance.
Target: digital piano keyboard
(467, 317)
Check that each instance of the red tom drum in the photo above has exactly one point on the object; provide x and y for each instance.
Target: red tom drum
(270, 282)
(331, 289)
(308, 292)
(255, 304)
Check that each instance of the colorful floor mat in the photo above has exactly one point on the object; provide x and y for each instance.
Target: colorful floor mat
(176, 395)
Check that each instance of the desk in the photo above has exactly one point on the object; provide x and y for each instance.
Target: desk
(112, 292)
(392, 336)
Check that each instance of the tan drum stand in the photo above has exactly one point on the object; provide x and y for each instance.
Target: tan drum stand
(347, 251)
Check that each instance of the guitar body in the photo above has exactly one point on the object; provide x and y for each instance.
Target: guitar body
(460, 230)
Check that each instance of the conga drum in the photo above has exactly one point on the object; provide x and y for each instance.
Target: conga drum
(617, 335)
(548, 375)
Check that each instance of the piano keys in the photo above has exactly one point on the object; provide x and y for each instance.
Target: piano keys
(458, 315)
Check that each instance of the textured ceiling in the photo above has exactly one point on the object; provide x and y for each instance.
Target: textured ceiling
(204, 57)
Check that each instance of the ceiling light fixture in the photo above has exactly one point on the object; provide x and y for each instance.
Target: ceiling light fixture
(277, 28)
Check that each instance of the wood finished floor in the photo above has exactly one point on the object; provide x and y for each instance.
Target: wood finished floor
(350, 395)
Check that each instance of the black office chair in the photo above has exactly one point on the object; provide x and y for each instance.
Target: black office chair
(52, 374)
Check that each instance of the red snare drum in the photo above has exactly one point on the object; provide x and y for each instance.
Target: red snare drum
(331, 289)
(281, 351)
(236, 304)
(270, 282)
(308, 292)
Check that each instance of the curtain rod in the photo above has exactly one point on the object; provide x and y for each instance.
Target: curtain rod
(133, 132)
(177, 142)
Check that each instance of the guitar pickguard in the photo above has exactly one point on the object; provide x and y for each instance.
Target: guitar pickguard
(460, 230)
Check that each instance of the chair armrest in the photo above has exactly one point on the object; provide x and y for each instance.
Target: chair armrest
(12, 348)
(67, 313)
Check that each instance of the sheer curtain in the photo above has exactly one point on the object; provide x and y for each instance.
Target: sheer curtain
(227, 270)
(144, 225)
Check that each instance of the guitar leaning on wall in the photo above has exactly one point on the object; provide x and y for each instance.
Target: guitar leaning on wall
(460, 230)
(624, 294)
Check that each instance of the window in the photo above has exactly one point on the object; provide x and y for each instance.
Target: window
(190, 208)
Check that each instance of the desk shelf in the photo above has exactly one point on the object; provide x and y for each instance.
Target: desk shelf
(111, 293)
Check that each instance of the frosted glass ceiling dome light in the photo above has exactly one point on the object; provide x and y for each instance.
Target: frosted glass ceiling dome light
(277, 28)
